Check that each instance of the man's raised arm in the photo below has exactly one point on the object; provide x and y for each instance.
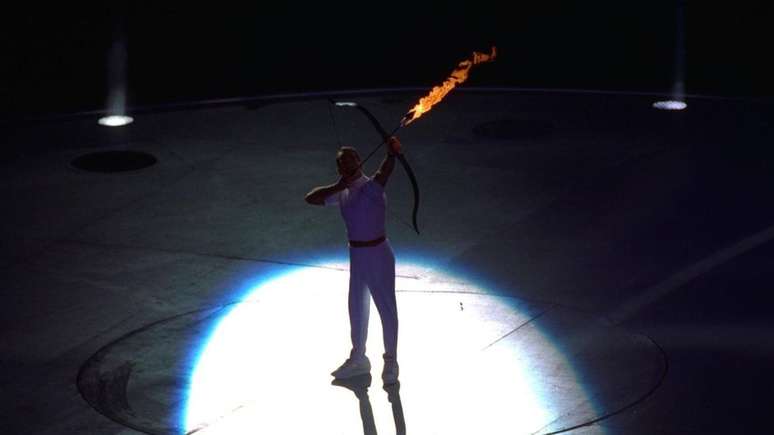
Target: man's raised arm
(388, 164)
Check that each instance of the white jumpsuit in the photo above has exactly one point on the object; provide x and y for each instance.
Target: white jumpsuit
(363, 206)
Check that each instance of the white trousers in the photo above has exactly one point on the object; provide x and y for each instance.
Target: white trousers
(372, 268)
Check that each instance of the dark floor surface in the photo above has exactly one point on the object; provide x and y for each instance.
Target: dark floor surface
(631, 229)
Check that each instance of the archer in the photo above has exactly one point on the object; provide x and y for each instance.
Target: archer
(362, 202)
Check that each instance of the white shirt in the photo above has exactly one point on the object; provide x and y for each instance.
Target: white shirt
(362, 205)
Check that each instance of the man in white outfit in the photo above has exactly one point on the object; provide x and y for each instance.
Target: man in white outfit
(372, 263)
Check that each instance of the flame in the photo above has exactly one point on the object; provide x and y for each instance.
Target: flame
(459, 75)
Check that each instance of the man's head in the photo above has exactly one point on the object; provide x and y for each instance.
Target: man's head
(348, 162)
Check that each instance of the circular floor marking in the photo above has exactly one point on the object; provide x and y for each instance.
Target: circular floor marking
(470, 363)
(114, 161)
(514, 129)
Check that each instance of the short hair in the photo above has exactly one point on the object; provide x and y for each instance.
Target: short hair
(347, 150)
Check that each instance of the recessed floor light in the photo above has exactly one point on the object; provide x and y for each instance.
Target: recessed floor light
(115, 120)
(670, 105)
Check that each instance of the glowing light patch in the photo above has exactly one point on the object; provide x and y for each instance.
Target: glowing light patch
(115, 120)
(266, 366)
(670, 105)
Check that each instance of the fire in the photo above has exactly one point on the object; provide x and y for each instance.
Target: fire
(459, 75)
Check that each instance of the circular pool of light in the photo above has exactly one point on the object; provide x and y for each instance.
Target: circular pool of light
(265, 367)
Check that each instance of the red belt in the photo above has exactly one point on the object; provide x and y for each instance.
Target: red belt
(366, 244)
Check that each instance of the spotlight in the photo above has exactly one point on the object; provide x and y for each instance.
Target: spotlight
(670, 105)
(115, 120)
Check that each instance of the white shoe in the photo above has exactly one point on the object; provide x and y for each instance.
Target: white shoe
(390, 372)
(352, 367)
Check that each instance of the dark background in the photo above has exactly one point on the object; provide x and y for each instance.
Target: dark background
(55, 58)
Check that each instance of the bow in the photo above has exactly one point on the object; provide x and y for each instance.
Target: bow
(401, 158)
